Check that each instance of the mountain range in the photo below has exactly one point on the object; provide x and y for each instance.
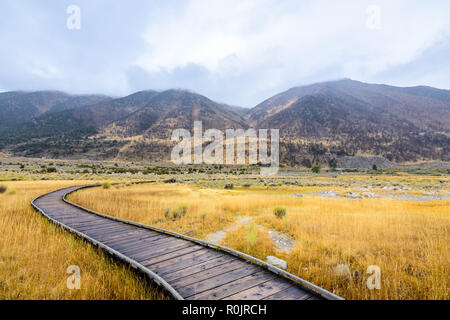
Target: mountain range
(318, 123)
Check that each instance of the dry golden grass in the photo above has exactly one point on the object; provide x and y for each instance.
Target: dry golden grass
(147, 204)
(251, 240)
(407, 240)
(35, 254)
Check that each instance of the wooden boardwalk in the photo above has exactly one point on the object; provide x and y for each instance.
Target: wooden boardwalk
(186, 268)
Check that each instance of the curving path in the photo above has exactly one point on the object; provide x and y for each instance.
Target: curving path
(186, 268)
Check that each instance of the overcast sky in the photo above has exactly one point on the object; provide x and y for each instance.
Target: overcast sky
(235, 51)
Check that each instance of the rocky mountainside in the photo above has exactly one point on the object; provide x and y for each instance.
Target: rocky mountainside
(426, 107)
(138, 126)
(348, 118)
(19, 107)
(322, 123)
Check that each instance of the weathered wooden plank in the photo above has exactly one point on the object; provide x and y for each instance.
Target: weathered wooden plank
(171, 254)
(124, 241)
(84, 222)
(144, 253)
(117, 235)
(106, 230)
(103, 231)
(191, 270)
(291, 293)
(65, 215)
(98, 222)
(149, 245)
(216, 281)
(147, 237)
(188, 258)
(57, 213)
(262, 290)
(183, 262)
(69, 217)
(234, 286)
(200, 276)
(154, 253)
(93, 229)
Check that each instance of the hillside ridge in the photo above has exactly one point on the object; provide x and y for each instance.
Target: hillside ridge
(318, 123)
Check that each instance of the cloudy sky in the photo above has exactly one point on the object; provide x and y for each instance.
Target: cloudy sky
(235, 51)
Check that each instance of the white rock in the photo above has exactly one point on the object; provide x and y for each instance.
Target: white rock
(276, 262)
(353, 195)
(283, 242)
(371, 195)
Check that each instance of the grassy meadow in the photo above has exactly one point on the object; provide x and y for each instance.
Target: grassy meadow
(35, 254)
(408, 240)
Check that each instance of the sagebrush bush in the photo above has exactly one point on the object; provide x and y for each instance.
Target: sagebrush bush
(279, 212)
(316, 169)
(3, 188)
(180, 211)
(176, 213)
(106, 185)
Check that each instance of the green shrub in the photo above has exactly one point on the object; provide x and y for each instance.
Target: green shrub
(316, 169)
(279, 212)
(3, 188)
(106, 185)
(179, 211)
(176, 213)
(48, 170)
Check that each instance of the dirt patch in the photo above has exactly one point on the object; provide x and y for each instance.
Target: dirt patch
(218, 236)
